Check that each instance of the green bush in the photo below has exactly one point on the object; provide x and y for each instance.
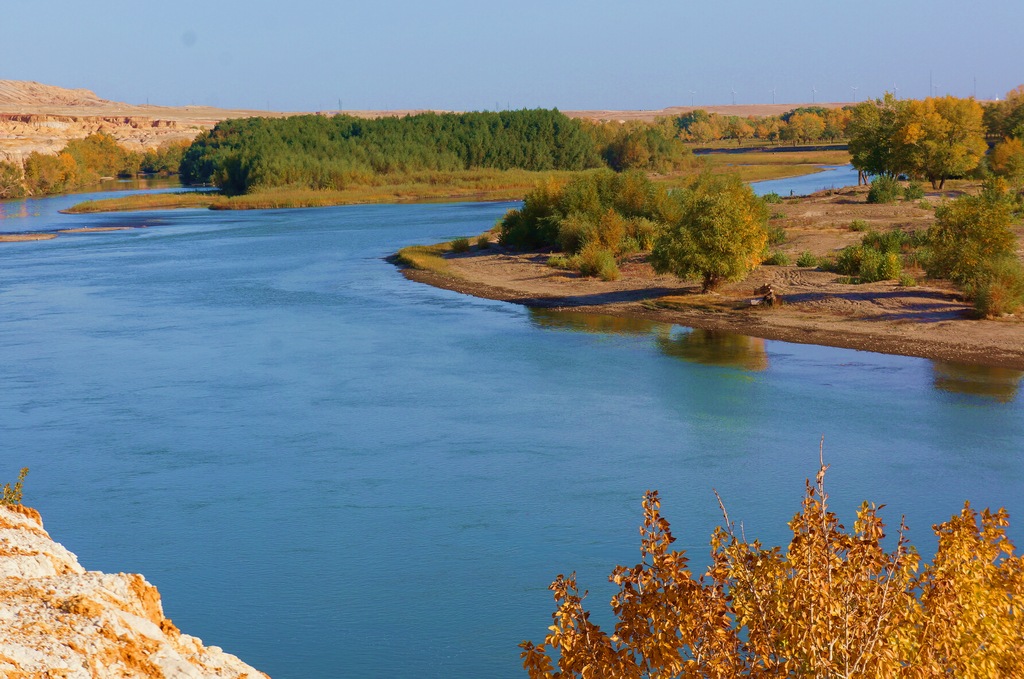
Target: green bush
(561, 262)
(969, 232)
(483, 241)
(771, 197)
(777, 258)
(891, 241)
(575, 231)
(998, 287)
(807, 260)
(858, 225)
(776, 235)
(848, 260)
(884, 190)
(907, 281)
(914, 191)
(594, 260)
(460, 245)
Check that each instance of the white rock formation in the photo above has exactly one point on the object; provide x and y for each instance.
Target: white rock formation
(59, 620)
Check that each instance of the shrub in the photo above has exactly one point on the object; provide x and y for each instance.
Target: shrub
(460, 245)
(925, 205)
(594, 260)
(776, 234)
(998, 287)
(777, 258)
(561, 262)
(879, 266)
(907, 281)
(483, 241)
(913, 191)
(848, 260)
(12, 495)
(968, 232)
(575, 231)
(890, 241)
(834, 603)
(858, 225)
(806, 260)
(771, 197)
(884, 189)
(642, 230)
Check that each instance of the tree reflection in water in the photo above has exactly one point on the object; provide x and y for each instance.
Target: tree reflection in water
(706, 347)
(986, 381)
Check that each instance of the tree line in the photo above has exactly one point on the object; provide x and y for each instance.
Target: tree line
(83, 162)
(333, 152)
(938, 138)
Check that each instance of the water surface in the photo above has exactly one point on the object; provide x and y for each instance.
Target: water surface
(331, 471)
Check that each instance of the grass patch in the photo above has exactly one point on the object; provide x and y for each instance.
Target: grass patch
(413, 187)
(425, 258)
(460, 245)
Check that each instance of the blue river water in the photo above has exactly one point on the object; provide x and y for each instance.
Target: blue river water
(830, 177)
(331, 471)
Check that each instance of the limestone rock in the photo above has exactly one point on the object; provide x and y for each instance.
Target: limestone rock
(59, 620)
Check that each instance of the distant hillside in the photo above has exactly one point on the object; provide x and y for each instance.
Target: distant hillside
(17, 95)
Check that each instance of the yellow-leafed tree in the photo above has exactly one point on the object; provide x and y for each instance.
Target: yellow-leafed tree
(834, 604)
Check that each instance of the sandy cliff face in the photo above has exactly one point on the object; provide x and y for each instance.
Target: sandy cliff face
(43, 118)
(59, 620)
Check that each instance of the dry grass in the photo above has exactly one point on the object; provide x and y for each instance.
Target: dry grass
(426, 258)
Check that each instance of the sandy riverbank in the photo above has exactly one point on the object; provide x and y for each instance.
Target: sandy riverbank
(928, 320)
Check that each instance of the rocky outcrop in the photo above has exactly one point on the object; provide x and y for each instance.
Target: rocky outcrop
(59, 620)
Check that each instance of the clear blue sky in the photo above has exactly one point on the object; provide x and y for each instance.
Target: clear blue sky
(462, 54)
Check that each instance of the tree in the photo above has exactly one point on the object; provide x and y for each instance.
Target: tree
(946, 135)
(12, 180)
(1007, 160)
(719, 235)
(875, 145)
(834, 604)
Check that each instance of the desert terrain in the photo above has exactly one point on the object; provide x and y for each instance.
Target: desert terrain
(42, 118)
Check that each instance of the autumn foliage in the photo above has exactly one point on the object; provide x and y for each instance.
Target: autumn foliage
(834, 604)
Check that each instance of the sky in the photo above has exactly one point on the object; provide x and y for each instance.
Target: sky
(308, 55)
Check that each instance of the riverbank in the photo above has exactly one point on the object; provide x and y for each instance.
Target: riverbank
(927, 320)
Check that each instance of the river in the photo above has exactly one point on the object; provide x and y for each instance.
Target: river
(331, 471)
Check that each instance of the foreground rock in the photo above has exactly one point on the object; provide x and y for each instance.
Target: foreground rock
(58, 620)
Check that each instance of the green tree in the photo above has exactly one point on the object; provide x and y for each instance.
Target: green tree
(719, 232)
(876, 147)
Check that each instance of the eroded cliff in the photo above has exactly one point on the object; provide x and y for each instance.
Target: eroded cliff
(59, 620)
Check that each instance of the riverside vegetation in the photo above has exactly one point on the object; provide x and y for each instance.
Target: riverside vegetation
(833, 604)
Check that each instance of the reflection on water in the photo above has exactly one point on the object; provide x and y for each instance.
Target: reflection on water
(599, 323)
(1000, 384)
(714, 347)
(707, 347)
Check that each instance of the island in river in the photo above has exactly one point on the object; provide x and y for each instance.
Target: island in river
(928, 320)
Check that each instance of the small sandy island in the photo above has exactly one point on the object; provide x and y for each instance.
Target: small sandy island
(928, 320)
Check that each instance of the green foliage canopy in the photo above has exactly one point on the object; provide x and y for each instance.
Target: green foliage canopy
(330, 152)
(717, 232)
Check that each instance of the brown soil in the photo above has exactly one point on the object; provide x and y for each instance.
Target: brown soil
(929, 320)
(18, 237)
